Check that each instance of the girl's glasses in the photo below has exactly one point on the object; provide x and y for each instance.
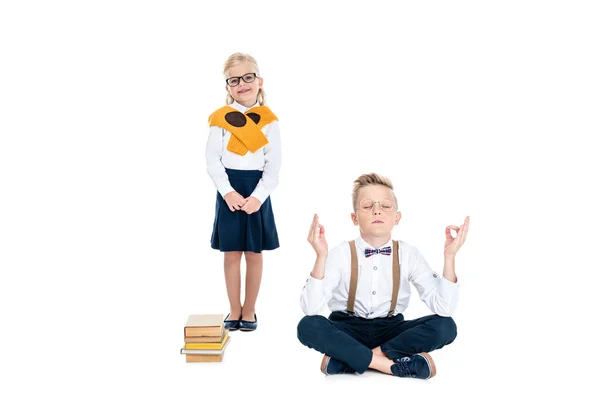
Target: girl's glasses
(235, 80)
(384, 205)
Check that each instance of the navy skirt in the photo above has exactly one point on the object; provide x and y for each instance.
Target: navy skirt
(238, 231)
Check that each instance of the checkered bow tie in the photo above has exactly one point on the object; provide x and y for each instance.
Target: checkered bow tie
(385, 251)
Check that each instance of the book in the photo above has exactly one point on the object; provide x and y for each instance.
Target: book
(206, 351)
(204, 325)
(208, 346)
(205, 339)
(203, 357)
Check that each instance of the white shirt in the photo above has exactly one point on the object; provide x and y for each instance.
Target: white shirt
(266, 159)
(374, 288)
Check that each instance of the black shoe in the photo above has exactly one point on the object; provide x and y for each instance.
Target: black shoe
(248, 325)
(331, 366)
(232, 325)
(418, 366)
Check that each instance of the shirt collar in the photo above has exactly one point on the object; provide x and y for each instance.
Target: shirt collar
(242, 108)
(362, 244)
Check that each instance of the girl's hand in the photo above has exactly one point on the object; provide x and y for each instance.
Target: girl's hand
(453, 244)
(252, 205)
(316, 238)
(234, 201)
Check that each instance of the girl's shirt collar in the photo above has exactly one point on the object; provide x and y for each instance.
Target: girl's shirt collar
(242, 108)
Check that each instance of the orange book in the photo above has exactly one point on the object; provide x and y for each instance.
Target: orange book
(205, 339)
(203, 357)
(207, 346)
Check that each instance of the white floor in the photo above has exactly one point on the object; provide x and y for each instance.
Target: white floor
(117, 334)
(127, 346)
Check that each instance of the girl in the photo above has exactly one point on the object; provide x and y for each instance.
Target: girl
(243, 156)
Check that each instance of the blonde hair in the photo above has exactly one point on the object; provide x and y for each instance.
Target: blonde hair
(235, 59)
(371, 179)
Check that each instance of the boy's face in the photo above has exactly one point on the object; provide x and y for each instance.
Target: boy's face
(244, 93)
(383, 215)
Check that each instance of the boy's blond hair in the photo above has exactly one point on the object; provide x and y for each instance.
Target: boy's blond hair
(371, 179)
(237, 58)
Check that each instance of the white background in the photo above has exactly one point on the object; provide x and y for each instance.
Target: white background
(487, 109)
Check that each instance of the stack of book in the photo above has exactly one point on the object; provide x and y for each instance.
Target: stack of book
(205, 338)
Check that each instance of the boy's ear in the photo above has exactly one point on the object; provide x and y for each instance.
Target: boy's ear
(354, 219)
(398, 217)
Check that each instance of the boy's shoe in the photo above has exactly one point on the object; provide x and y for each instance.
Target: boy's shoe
(248, 325)
(417, 366)
(331, 366)
(232, 325)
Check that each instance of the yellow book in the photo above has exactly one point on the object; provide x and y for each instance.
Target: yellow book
(206, 351)
(207, 346)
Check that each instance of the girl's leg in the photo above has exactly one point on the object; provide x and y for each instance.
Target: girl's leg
(233, 282)
(254, 265)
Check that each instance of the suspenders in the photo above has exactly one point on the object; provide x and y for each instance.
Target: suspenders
(354, 278)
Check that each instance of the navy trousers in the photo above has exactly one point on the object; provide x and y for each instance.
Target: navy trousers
(350, 339)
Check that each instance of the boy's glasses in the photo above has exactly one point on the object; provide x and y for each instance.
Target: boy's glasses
(235, 80)
(384, 205)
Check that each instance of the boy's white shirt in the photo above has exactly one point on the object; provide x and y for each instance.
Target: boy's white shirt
(374, 288)
(266, 159)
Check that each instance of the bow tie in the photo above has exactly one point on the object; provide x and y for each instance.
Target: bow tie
(385, 251)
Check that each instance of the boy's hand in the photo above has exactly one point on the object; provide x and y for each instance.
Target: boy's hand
(252, 205)
(453, 244)
(234, 200)
(316, 237)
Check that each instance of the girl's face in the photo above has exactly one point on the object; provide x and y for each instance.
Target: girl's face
(245, 93)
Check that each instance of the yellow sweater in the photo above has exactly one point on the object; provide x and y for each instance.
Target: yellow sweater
(245, 128)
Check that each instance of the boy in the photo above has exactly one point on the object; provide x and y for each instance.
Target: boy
(366, 285)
